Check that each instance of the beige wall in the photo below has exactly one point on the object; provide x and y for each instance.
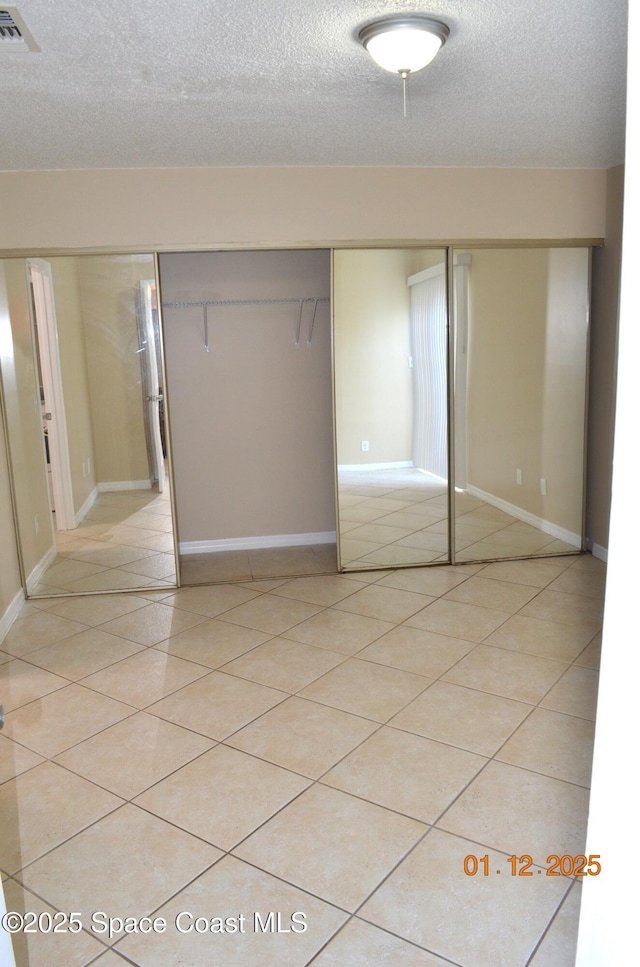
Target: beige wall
(566, 362)
(602, 376)
(373, 389)
(507, 304)
(175, 208)
(526, 379)
(373, 381)
(108, 289)
(251, 419)
(422, 259)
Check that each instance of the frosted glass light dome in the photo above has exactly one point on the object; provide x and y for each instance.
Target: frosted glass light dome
(403, 45)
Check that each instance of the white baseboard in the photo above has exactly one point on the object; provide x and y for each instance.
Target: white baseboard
(254, 543)
(36, 575)
(560, 533)
(86, 507)
(11, 614)
(598, 551)
(109, 485)
(403, 465)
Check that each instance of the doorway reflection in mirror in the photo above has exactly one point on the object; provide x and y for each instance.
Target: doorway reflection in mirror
(102, 519)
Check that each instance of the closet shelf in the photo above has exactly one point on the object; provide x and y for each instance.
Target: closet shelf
(205, 305)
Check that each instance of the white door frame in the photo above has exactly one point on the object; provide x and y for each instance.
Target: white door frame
(41, 279)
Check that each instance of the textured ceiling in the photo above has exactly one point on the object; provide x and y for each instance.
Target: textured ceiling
(174, 83)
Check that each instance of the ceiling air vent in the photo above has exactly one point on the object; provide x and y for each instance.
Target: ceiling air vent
(14, 35)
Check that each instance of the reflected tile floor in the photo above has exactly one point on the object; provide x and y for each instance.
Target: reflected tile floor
(326, 752)
(124, 542)
(399, 517)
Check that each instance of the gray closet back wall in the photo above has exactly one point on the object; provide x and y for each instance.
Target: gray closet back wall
(251, 416)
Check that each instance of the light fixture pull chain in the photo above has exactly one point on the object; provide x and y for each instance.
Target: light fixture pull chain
(404, 75)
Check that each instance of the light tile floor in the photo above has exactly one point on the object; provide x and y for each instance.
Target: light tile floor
(125, 541)
(332, 746)
(395, 517)
(387, 518)
(257, 564)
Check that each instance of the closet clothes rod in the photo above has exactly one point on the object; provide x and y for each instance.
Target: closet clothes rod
(205, 305)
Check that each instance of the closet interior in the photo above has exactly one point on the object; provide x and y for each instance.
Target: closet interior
(248, 354)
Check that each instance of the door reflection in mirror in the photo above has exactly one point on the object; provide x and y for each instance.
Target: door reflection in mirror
(84, 411)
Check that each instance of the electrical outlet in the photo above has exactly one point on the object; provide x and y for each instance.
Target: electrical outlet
(543, 486)
(36, 523)
(364, 446)
(519, 477)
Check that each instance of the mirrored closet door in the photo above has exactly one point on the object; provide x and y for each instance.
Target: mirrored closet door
(485, 416)
(390, 377)
(83, 383)
(521, 348)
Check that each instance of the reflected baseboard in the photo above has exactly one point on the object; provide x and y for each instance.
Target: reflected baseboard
(546, 526)
(368, 467)
(45, 562)
(110, 486)
(86, 507)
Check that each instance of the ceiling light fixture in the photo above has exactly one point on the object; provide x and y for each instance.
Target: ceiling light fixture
(404, 44)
